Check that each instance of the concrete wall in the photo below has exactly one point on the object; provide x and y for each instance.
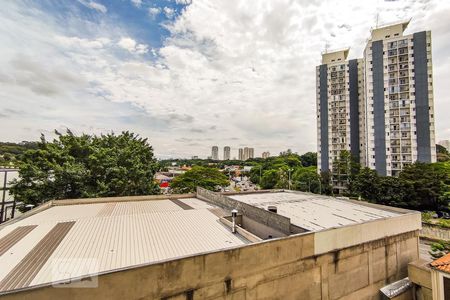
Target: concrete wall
(262, 216)
(283, 268)
(435, 232)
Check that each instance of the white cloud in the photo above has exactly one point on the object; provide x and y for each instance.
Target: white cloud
(183, 2)
(169, 12)
(94, 5)
(240, 73)
(131, 45)
(137, 3)
(154, 11)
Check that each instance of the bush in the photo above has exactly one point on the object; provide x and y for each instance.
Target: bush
(427, 216)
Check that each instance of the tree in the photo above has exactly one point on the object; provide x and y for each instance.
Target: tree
(269, 179)
(327, 187)
(309, 159)
(306, 180)
(366, 184)
(429, 183)
(442, 153)
(205, 177)
(86, 166)
(345, 168)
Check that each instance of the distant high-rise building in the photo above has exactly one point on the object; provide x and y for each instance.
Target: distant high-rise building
(215, 153)
(245, 153)
(241, 154)
(251, 153)
(195, 157)
(379, 108)
(445, 144)
(266, 154)
(226, 153)
(248, 153)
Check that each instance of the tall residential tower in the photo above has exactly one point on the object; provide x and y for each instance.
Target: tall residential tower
(379, 108)
(399, 97)
(215, 153)
(340, 109)
(226, 153)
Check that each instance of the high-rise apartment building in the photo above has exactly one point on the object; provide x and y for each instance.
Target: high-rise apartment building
(339, 107)
(379, 108)
(399, 97)
(248, 153)
(251, 153)
(241, 154)
(265, 154)
(215, 153)
(226, 153)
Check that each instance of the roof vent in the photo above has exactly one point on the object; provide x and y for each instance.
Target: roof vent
(272, 208)
(233, 217)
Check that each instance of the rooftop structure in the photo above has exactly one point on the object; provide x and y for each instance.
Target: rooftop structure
(175, 246)
(113, 235)
(315, 212)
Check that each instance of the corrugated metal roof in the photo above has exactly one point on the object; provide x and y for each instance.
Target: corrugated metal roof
(315, 212)
(442, 263)
(109, 236)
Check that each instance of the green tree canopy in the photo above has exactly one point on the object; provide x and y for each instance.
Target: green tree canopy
(205, 177)
(442, 153)
(86, 166)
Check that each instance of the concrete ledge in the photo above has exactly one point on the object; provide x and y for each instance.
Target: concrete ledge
(249, 236)
(419, 272)
(120, 199)
(351, 235)
(260, 215)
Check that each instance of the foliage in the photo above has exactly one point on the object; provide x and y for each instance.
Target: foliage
(205, 177)
(86, 166)
(309, 159)
(444, 223)
(345, 168)
(427, 216)
(440, 249)
(10, 152)
(306, 180)
(442, 154)
(269, 179)
(419, 186)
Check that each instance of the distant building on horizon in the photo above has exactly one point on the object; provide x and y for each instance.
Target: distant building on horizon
(445, 144)
(226, 153)
(265, 154)
(379, 108)
(215, 153)
(248, 153)
(241, 154)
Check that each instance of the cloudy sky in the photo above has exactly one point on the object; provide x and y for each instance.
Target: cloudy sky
(190, 74)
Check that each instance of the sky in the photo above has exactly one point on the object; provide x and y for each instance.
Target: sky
(190, 74)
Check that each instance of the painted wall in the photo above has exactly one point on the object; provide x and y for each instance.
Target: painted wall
(277, 269)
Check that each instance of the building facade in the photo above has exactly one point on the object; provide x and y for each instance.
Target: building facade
(226, 153)
(215, 153)
(265, 154)
(399, 97)
(241, 154)
(379, 108)
(340, 107)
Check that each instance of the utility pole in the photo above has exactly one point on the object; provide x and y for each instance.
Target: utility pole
(289, 183)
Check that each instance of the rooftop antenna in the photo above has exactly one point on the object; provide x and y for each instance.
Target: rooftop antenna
(327, 46)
